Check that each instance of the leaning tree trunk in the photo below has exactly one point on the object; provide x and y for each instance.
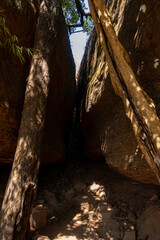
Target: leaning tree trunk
(139, 106)
(21, 188)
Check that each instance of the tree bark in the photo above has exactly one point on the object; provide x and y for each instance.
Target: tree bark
(21, 189)
(140, 108)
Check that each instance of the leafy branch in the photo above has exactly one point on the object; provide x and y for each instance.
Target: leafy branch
(76, 16)
(7, 40)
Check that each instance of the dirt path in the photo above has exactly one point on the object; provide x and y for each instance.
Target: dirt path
(87, 200)
(84, 199)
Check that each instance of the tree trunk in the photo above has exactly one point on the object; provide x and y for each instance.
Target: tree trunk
(21, 188)
(139, 106)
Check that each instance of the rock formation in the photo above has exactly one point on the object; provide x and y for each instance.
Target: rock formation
(21, 18)
(106, 130)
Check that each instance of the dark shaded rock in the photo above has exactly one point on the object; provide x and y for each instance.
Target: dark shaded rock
(61, 99)
(51, 200)
(21, 18)
(148, 224)
(69, 194)
(38, 218)
(130, 235)
(107, 131)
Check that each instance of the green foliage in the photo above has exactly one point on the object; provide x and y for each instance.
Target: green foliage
(70, 13)
(88, 24)
(7, 40)
(72, 17)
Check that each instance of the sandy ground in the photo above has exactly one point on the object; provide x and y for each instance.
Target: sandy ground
(84, 199)
(87, 200)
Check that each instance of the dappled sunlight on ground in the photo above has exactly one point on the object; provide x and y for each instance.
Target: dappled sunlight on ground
(93, 203)
(67, 238)
(89, 202)
(88, 222)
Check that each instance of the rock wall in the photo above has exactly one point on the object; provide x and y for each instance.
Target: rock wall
(61, 99)
(21, 18)
(106, 130)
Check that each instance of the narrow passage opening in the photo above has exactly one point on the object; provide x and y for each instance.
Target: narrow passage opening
(78, 43)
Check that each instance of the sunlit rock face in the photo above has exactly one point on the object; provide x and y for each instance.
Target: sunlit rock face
(21, 19)
(107, 132)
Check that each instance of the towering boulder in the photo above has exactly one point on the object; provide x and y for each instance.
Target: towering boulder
(106, 129)
(61, 99)
(21, 18)
(22, 183)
